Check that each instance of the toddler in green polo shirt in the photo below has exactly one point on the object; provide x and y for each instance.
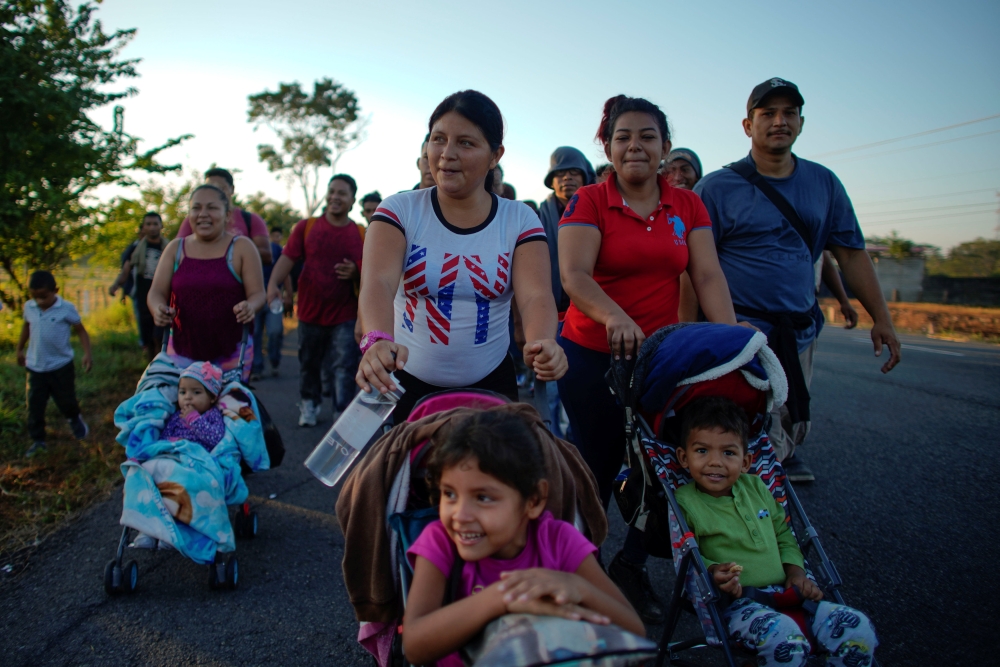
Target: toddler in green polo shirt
(745, 541)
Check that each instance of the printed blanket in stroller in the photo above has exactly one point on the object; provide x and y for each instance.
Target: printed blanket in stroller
(176, 490)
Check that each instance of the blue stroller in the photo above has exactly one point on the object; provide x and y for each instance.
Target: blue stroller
(675, 365)
(177, 491)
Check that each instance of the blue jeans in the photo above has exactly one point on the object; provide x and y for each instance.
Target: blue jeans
(275, 327)
(314, 342)
(135, 312)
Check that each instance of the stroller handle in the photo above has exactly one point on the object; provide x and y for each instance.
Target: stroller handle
(243, 342)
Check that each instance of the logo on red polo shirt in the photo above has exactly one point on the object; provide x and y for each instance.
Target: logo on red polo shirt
(571, 206)
(679, 229)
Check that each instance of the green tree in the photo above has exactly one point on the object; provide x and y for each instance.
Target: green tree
(274, 212)
(115, 223)
(314, 131)
(899, 247)
(972, 259)
(56, 67)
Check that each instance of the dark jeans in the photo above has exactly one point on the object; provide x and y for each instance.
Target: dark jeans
(60, 385)
(314, 342)
(596, 420)
(150, 335)
(501, 380)
(274, 325)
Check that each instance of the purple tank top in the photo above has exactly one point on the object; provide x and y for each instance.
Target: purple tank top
(204, 292)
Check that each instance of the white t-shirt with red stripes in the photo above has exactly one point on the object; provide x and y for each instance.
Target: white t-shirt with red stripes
(453, 302)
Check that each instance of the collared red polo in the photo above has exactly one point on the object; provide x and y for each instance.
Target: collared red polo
(640, 259)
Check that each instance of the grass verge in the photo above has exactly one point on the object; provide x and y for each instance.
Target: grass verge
(37, 494)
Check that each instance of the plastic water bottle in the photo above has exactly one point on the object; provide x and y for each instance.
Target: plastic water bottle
(346, 439)
(277, 307)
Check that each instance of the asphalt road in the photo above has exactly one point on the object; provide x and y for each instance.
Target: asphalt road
(905, 501)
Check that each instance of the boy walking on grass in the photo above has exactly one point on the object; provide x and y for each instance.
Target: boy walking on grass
(48, 320)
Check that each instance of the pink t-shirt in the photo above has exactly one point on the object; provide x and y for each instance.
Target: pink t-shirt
(552, 544)
(237, 225)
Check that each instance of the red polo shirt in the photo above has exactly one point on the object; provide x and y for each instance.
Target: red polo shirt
(640, 259)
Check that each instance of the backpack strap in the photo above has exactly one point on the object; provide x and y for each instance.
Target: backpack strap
(310, 223)
(246, 221)
(180, 254)
(229, 261)
(750, 173)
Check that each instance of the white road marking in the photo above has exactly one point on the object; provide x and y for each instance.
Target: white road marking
(917, 347)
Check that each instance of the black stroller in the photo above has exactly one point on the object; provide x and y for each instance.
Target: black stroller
(675, 365)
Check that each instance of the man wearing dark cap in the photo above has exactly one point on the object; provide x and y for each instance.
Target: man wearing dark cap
(569, 171)
(682, 168)
(773, 214)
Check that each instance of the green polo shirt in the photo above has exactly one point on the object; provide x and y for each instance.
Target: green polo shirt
(747, 527)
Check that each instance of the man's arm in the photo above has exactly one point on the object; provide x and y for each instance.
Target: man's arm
(831, 278)
(280, 275)
(122, 276)
(263, 247)
(861, 278)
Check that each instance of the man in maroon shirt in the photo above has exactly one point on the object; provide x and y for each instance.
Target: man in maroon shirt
(330, 247)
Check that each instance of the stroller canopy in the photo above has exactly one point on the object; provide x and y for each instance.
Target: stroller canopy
(683, 361)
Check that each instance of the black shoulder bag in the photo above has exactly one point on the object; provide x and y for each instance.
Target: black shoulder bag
(782, 339)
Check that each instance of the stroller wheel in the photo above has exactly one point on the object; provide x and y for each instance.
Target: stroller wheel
(232, 573)
(109, 577)
(130, 577)
(250, 526)
(215, 582)
(238, 525)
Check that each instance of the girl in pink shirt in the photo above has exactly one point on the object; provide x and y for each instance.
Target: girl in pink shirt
(518, 558)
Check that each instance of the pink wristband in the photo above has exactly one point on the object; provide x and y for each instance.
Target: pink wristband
(373, 337)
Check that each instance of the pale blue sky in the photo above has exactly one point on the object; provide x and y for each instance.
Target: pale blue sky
(868, 72)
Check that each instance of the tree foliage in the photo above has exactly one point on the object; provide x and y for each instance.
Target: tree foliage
(314, 130)
(56, 67)
(274, 212)
(972, 259)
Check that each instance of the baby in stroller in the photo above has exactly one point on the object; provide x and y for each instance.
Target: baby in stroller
(198, 418)
(514, 556)
(187, 433)
(750, 551)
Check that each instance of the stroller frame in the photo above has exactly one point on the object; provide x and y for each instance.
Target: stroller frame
(224, 572)
(819, 565)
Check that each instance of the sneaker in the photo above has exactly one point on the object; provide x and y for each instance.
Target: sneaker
(143, 541)
(633, 580)
(796, 469)
(37, 447)
(307, 413)
(274, 372)
(80, 428)
(255, 376)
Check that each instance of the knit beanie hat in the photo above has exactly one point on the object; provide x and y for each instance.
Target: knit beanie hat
(208, 374)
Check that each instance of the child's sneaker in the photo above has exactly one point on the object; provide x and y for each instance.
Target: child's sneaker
(37, 447)
(143, 541)
(80, 428)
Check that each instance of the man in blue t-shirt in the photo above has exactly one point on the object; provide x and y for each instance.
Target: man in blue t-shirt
(770, 266)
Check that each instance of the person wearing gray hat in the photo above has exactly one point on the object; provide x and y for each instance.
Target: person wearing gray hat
(569, 171)
(682, 168)
(773, 214)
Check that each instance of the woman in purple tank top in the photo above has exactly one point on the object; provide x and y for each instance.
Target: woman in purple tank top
(214, 286)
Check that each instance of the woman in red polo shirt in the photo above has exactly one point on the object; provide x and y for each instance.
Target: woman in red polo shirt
(623, 245)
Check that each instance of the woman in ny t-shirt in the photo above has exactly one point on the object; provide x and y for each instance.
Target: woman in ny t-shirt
(441, 265)
(622, 246)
